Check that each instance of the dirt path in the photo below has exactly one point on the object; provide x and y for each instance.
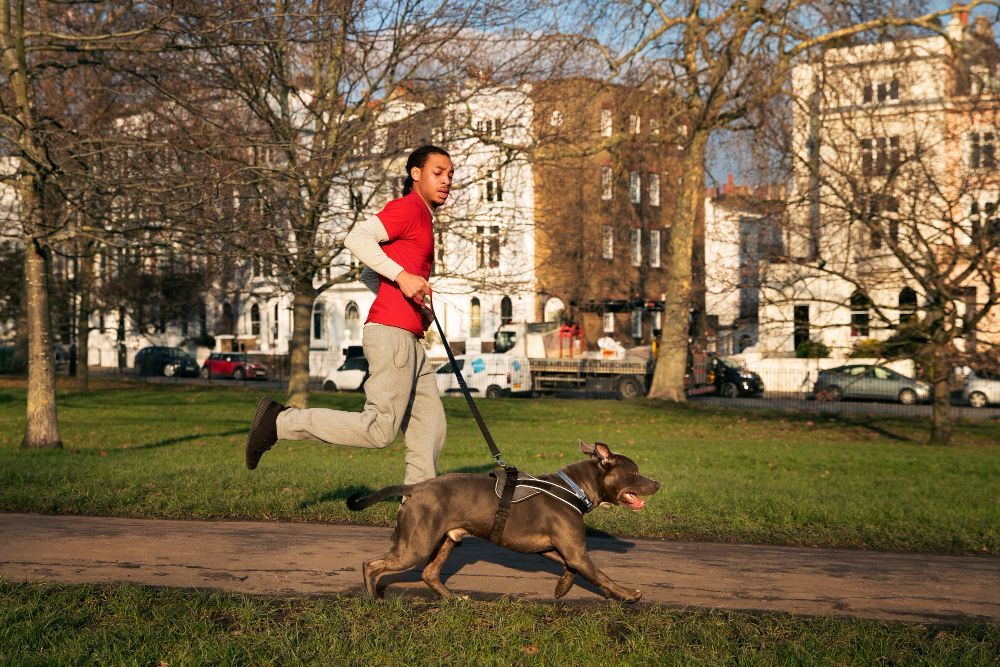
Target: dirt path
(281, 558)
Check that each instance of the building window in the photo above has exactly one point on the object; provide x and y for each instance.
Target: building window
(606, 184)
(607, 242)
(800, 324)
(879, 156)
(352, 321)
(488, 127)
(556, 119)
(985, 220)
(609, 322)
(636, 324)
(654, 248)
(907, 305)
(883, 220)
(255, 320)
(654, 189)
(634, 187)
(475, 318)
(982, 150)
(634, 124)
(654, 126)
(607, 124)
(657, 322)
(506, 310)
(487, 247)
(492, 187)
(439, 251)
(274, 324)
(860, 314)
(636, 243)
(880, 92)
(318, 311)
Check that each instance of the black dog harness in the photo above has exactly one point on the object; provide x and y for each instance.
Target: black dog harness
(527, 486)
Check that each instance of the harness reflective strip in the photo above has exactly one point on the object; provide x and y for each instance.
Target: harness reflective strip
(586, 503)
(576, 489)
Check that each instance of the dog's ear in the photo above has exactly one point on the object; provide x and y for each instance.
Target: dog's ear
(586, 448)
(602, 451)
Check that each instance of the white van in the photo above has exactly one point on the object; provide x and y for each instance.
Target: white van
(490, 375)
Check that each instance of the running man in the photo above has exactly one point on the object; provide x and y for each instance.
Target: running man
(400, 393)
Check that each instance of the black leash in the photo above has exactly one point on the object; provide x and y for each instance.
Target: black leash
(510, 481)
(465, 390)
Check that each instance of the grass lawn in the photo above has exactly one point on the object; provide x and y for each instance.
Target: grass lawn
(853, 481)
(130, 625)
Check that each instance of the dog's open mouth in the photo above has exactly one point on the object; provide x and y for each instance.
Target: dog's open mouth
(633, 502)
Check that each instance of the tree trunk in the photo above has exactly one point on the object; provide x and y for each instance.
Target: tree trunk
(84, 278)
(941, 369)
(671, 359)
(298, 377)
(42, 429)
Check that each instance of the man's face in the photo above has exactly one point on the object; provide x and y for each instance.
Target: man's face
(433, 180)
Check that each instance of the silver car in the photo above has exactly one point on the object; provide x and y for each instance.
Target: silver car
(869, 382)
(981, 391)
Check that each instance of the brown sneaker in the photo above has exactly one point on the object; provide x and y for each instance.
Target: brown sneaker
(263, 431)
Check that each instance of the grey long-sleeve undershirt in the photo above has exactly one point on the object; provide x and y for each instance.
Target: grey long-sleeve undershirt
(364, 241)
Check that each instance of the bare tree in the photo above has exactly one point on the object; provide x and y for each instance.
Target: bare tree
(303, 99)
(894, 229)
(719, 63)
(45, 48)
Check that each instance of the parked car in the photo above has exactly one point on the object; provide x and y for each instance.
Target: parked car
(234, 365)
(491, 375)
(349, 376)
(732, 380)
(981, 391)
(864, 381)
(168, 361)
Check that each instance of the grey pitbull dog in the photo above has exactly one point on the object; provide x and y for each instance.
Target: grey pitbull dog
(439, 512)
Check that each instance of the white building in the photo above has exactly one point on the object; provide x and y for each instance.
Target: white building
(875, 126)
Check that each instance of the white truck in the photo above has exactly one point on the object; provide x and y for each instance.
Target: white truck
(559, 365)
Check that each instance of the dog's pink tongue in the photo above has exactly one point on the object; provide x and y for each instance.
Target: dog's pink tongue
(635, 502)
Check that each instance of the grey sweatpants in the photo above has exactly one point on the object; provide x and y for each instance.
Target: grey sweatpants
(400, 393)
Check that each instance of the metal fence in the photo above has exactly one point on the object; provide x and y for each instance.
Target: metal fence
(776, 396)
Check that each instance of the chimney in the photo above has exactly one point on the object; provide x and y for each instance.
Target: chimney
(954, 28)
(981, 26)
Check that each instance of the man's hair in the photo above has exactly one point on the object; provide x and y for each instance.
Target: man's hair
(418, 158)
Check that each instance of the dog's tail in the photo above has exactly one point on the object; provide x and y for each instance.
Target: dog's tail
(359, 501)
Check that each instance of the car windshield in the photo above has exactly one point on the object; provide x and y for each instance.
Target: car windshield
(728, 363)
(504, 341)
(447, 367)
(354, 364)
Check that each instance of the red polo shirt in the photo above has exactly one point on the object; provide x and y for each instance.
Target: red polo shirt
(408, 223)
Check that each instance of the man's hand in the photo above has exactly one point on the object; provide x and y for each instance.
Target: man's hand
(413, 287)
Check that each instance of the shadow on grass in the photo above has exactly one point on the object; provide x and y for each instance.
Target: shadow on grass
(166, 442)
(339, 494)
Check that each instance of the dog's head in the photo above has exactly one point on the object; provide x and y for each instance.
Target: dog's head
(618, 478)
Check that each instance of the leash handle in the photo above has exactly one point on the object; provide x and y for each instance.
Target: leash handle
(465, 388)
